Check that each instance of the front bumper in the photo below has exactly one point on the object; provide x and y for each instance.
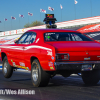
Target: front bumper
(75, 65)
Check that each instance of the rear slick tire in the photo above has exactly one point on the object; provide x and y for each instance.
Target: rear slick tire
(40, 78)
(91, 77)
(6, 68)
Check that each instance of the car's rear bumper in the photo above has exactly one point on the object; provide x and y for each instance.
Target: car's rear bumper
(75, 65)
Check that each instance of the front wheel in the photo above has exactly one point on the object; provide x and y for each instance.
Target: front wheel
(6, 68)
(38, 75)
(91, 77)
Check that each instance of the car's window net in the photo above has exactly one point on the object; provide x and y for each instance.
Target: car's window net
(65, 36)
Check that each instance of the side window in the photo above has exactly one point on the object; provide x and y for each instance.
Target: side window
(22, 39)
(76, 37)
(27, 38)
(32, 38)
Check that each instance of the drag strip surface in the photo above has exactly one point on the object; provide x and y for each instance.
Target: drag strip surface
(59, 88)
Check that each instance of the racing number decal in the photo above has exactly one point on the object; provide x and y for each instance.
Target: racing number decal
(49, 53)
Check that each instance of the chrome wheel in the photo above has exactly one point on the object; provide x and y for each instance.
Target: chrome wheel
(35, 74)
(5, 67)
(38, 75)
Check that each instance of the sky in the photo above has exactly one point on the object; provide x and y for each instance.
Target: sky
(70, 11)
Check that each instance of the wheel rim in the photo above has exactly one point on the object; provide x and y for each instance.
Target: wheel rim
(35, 74)
(5, 67)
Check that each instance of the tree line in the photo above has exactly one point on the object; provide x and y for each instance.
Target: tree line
(35, 23)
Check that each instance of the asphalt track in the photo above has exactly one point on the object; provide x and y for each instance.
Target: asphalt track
(59, 88)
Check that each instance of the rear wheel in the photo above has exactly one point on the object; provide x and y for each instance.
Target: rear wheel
(91, 78)
(38, 75)
(6, 68)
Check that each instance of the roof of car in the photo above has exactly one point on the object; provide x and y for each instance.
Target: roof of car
(52, 30)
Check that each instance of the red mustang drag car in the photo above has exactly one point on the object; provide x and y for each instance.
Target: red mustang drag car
(47, 52)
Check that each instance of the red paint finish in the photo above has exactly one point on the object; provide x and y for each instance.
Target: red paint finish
(45, 52)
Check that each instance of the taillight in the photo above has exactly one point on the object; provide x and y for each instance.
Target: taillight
(62, 56)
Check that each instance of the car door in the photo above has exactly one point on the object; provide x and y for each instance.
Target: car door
(29, 49)
(17, 53)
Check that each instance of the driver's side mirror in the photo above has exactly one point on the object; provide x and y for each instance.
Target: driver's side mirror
(16, 41)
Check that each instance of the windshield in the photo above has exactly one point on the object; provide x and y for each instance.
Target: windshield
(65, 36)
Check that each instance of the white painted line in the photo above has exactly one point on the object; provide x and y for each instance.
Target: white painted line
(23, 71)
(0, 64)
(74, 75)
